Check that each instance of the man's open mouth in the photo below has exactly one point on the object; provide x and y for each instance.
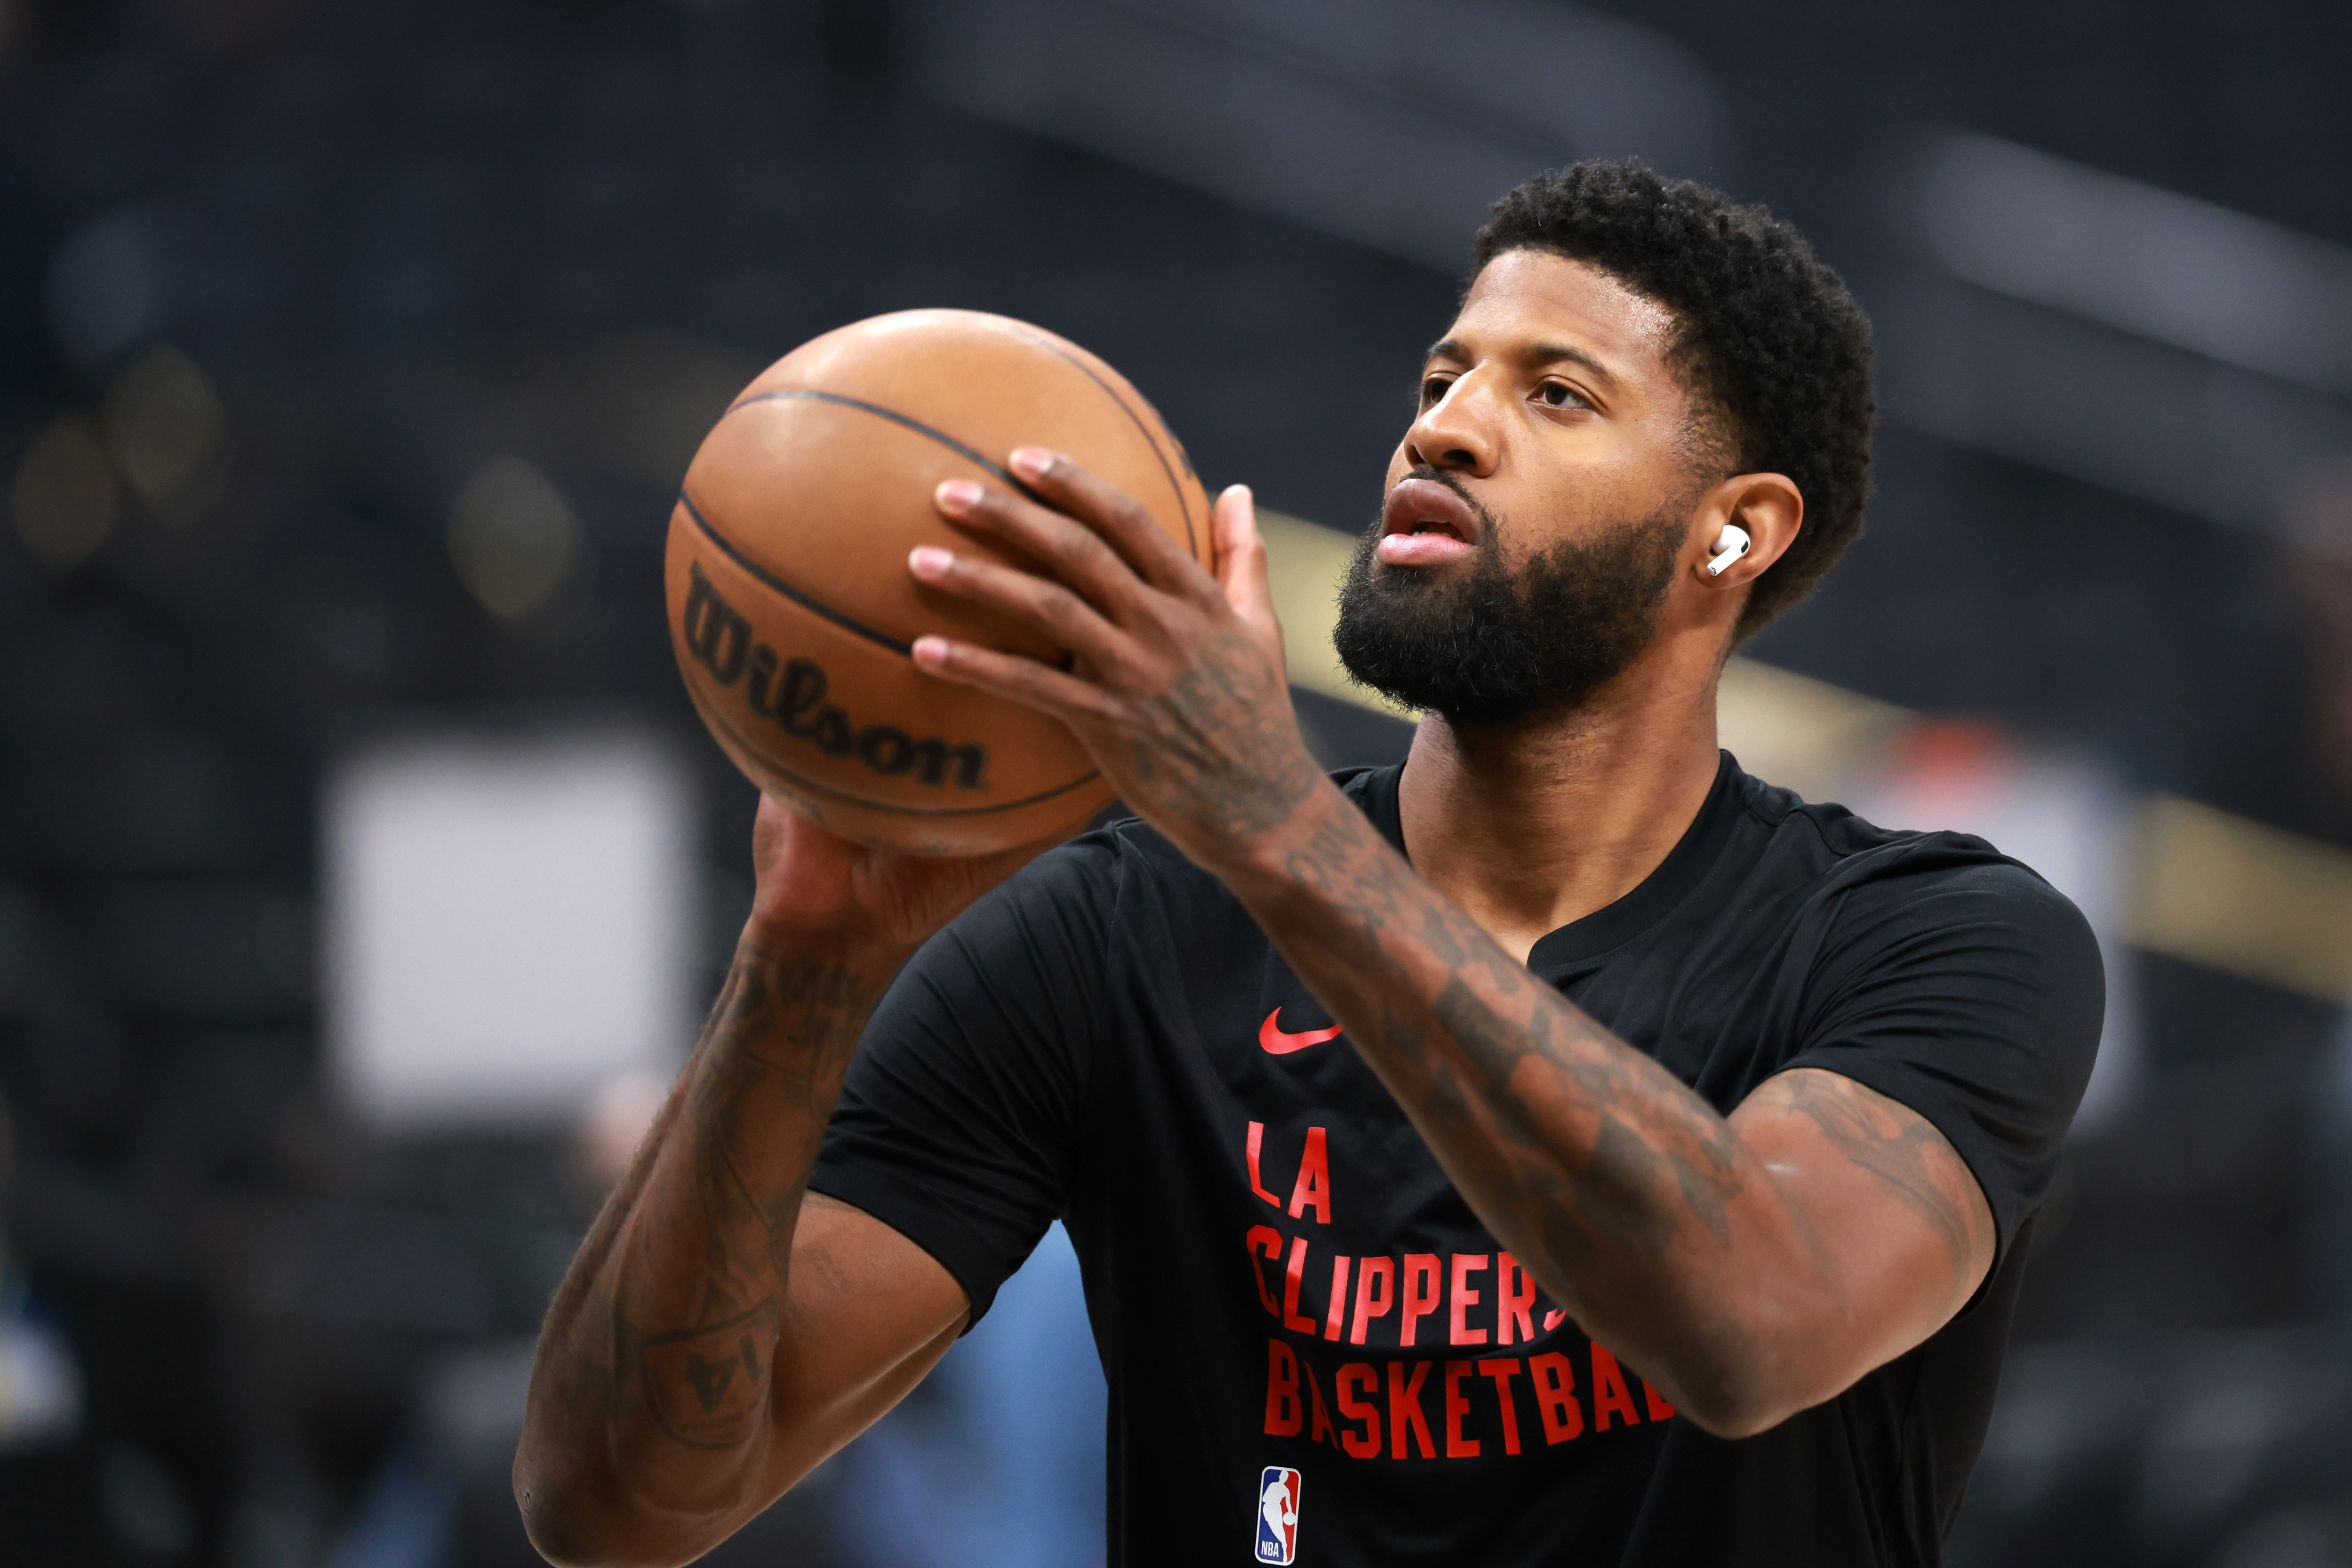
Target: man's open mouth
(1425, 523)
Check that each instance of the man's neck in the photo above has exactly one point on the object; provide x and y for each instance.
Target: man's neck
(1530, 825)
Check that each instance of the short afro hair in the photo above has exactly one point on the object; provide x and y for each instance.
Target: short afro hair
(1770, 336)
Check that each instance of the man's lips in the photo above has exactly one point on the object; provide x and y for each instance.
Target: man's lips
(1425, 524)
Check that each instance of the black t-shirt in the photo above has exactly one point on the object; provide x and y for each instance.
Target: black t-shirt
(1313, 1347)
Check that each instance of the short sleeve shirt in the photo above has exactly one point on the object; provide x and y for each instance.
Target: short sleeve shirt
(1315, 1352)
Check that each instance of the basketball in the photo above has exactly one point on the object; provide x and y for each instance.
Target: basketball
(791, 608)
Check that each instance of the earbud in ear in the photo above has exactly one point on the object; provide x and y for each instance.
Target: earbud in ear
(1730, 545)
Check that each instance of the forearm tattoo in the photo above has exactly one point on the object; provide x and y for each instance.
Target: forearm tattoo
(692, 1250)
(1571, 1144)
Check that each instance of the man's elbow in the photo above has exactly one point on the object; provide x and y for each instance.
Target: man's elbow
(580, 1522)
(570, 1530)
(1733, 1417)
(1738, 1393)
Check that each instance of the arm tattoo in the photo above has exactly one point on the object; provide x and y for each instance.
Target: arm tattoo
(1495, 1063)
(1897, 1145)
(708, 1386)
(1638, 1206)
(695, 1270)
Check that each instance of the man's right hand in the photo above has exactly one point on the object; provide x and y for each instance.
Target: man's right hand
(722, 1330)
(817, 889)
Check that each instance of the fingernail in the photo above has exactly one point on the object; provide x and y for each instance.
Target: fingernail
(1032, 462)
(930, 650)
(960, 494)
(929, 559)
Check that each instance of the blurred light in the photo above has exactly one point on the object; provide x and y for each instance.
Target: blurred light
(1334, 113)
(2150, 261)
(40, 1383)
(161, 422)
(2238, 897)
(513, 536)
(64, 494)
(103, 287)
(2142, 341)
(2077, 397)
(508, 925)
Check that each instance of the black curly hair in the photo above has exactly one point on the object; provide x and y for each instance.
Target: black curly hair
(1771, 338)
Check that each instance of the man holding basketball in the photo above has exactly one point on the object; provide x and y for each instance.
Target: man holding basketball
(1563, 1148)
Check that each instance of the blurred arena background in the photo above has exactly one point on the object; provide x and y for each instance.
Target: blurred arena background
(363, 871)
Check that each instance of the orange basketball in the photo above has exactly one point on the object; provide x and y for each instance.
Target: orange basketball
(791, 607)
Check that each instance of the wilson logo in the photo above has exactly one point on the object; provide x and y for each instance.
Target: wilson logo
(791, 693)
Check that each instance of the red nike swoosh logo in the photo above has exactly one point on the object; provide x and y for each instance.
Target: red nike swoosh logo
(1279, 1044)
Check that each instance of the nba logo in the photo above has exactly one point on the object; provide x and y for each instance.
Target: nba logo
(1277, 1515)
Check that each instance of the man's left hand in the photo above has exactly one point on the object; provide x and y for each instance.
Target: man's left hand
(1175, 682)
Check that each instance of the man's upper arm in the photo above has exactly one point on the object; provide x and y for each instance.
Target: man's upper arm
(868, 1314)
(1899, 1227)
(1921, 1121)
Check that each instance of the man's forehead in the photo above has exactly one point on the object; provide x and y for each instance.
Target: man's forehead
(1524, 298)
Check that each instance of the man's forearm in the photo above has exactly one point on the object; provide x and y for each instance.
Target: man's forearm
(655, 1367)
(1630, 1199)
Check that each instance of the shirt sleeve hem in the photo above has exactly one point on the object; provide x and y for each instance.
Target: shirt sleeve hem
(917, 1215)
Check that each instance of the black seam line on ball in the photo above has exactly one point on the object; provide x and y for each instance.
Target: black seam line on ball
(804, 782)
(1183, 507)
(813, 607)
(809, 394)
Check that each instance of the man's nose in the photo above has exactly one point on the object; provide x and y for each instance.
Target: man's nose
(1456, 432)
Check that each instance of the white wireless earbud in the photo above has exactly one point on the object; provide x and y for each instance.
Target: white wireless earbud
(1730, 545)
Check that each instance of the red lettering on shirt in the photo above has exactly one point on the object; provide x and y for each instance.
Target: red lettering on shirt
(1292, 1278)
(1555, 1381)
(1462, 1298)
(1404, 1409)
(1256, 1140)
(1420, 1282)
(1501, 1373)
(1321, 1431)
(1457, 1405)
(1659, 1409)
(1370, 1303)
(1364, 1445)
(1608, 1391)
(1266, 1240)
(1511, 1301)
(1552, 1318)
(1313, 1188)
(1336, 1317)
(1283, 1414)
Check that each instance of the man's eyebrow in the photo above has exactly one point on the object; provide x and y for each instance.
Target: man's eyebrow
(1536, 354)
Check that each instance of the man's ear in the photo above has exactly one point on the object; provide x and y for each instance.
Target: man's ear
(1769, 507)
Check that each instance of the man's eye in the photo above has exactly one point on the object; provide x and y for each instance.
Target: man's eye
(1432, 388)
(1558, 394)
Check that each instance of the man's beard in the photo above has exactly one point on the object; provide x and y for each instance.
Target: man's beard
(1496, 646)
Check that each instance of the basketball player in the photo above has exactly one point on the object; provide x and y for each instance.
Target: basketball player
(1566, 1148)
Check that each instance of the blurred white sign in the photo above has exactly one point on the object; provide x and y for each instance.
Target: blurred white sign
(507, 923)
